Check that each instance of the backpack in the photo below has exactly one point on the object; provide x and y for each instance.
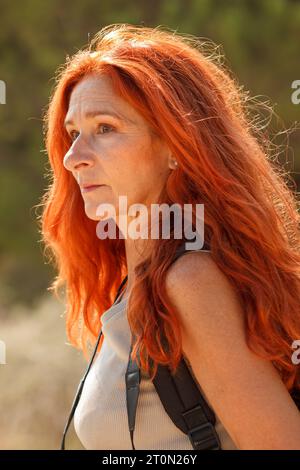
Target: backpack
(178, 393)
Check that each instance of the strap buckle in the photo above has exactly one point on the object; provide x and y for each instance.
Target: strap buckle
(204, 437)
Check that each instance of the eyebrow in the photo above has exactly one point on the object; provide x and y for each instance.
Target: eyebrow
(91, 114)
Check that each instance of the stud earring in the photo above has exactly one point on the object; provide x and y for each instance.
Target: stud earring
(174, 162)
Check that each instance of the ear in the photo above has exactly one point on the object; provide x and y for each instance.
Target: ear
(164, 148)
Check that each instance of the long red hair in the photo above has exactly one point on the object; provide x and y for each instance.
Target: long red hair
(224, 162)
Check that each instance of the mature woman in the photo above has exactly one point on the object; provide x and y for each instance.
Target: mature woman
(146, 114)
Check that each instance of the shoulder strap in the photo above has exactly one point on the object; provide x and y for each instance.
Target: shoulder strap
(132, 380)
(182, 249)
(81, 384)
(117, 298)
(186, 406)
(180, 397)
(295, 394)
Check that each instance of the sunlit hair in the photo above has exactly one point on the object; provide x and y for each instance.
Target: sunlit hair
(225, 162)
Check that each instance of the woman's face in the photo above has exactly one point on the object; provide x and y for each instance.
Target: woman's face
(113, 147)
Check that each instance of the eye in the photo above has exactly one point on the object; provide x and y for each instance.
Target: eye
(101, 125)
(71, 135)
(105, 125)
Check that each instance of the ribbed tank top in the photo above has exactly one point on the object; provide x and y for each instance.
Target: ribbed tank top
(100, 419)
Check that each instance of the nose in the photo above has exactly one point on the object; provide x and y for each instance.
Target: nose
(79, 154)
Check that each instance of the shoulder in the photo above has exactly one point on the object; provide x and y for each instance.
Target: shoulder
(202, 294)
(244, 390)
(190, 264)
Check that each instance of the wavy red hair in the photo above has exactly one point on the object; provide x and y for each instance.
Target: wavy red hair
(224, 162)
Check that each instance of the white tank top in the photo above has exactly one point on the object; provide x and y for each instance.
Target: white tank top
(100, 419)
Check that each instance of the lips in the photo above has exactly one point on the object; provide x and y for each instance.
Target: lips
(90, 187)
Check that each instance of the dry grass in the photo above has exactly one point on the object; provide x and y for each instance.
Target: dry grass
(39, 379)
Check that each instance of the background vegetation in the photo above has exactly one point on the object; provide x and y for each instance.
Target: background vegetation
(260, 40)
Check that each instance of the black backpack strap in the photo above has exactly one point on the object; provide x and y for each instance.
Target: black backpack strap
(186, 406)
(180, 396)
(120, 289)
(295, 394)
(182, 249)
(132, 380)
(81, 384)
(78, 394)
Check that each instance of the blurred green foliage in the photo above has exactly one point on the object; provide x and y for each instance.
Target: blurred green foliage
(260, 40)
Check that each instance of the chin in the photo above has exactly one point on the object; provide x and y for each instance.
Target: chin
(93, 216)
(91, 213)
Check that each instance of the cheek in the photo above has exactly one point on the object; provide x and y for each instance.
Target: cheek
(139, 179)
(133, 169)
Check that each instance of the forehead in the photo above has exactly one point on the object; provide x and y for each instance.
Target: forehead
(90, 87)
(96, 93)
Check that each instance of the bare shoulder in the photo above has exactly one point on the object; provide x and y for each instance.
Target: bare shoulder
(197, 286)
(244, 390)
(194, 262)
(199, 263)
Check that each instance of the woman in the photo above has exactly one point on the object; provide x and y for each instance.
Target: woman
(145, 114)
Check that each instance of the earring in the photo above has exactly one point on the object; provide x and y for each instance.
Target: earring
(174, 162)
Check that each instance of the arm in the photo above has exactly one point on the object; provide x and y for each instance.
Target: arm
(245, 391)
